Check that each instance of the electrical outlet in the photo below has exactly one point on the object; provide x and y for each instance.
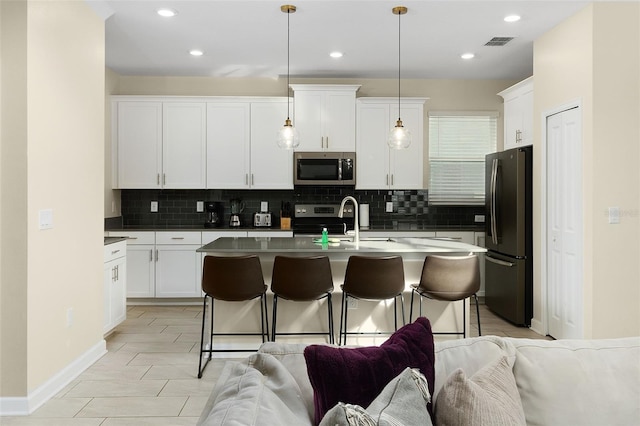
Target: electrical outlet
(479, 218)
(352, 303)
(199, 206)
(389, 207)
(154, 207)
(614, 215)
(45, 219)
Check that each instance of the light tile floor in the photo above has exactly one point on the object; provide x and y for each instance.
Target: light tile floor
(149, 375)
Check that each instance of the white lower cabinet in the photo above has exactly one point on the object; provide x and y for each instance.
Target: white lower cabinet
(178, 264)
(115, 285)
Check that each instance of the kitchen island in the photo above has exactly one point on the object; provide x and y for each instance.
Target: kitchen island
(295, 316)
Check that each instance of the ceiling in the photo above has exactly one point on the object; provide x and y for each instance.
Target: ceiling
(242, 38)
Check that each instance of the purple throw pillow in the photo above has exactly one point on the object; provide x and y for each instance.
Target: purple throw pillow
(358, 375)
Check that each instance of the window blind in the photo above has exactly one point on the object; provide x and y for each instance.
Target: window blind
(458, 143)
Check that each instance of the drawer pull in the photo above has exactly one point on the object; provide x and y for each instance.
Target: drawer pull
(115, 251)
(499, 262)
(177, 238)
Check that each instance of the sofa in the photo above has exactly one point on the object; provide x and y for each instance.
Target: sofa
(483, 380)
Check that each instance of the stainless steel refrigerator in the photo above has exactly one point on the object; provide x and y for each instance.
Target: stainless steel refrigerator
(508, 219)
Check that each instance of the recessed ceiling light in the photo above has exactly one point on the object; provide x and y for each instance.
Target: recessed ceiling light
(196, 52)
(167, 13)
(336, 54)
(512, 18)
(467, 55)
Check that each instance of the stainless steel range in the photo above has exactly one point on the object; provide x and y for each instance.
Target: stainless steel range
(309, 219)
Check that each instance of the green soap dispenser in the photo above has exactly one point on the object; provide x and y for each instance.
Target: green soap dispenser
(325, 236)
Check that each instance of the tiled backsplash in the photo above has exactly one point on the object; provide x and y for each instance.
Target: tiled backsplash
(177, 208)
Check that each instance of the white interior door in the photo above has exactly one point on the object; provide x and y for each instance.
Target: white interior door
(564, 225)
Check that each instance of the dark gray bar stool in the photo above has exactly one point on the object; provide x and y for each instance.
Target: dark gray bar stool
(372, 278)
(302, 279)
(232, 279)
(449, 278)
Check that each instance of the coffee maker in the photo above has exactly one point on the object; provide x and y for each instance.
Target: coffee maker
(237, 207)
(215, 211)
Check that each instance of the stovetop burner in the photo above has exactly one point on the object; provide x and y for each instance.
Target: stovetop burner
(309, 219)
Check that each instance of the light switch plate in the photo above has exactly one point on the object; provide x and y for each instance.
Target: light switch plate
(479, 218)
(264, 206)
(45, 219)
(614, 215)
(154, 207)
(389, 207)
(199, 206)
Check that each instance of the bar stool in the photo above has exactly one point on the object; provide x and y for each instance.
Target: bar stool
(372, 278)
(449, 278)
(232, 279)
(302, 279)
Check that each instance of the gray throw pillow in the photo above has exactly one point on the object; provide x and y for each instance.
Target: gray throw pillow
(403, 402)
(489, 397)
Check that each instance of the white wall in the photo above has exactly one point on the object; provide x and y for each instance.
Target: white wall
(594, 57)
(52, 158)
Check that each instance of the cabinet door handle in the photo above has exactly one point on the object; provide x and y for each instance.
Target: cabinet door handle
(327, 142)
(246, 179)
(158, 179)
(157, 257)
(117, 272)
(151, 255)
(252, 179)
(391, 180)
(387, 179)
(164, 179)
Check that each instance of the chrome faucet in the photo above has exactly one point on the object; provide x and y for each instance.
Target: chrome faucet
(356, 225)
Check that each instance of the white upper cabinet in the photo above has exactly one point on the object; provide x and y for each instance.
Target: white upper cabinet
(137, 144)
(518, 114)
(325, 117)
(159, 144)
(271, 166)
(228, 139)
(378, 166)
(242, 152)
(184, 145)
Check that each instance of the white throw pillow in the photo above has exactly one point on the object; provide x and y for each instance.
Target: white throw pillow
(489, 397)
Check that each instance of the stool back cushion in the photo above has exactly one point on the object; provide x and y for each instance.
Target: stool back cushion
(232, 278)
(358, 375)
(301, 278)
(450, 277)
(375, 278)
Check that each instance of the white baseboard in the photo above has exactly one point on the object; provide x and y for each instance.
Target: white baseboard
(23, 406)
(537, 326)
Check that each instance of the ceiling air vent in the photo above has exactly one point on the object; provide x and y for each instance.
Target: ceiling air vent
(498, 41)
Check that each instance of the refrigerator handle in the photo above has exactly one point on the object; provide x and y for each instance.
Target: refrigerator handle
(494, 201)
(498, 261)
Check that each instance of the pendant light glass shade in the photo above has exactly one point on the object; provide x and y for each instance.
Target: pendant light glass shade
(400, 136)
(288, 137)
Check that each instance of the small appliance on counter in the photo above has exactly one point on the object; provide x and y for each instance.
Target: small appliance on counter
(215, 212)
(263, 217)
(237, 207)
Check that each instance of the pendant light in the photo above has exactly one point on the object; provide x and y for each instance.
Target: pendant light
(288, 137)
(400, 136)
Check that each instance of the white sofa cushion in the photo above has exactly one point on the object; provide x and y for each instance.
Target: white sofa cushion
(469, 354)
(579, 382)
(257, 392)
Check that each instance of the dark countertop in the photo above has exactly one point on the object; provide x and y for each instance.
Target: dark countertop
(111, 240)
(390, 228)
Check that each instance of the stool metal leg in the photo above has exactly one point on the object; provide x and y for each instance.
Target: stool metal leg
(264, 322)
(413, 291)
(478, 314)
(330, 314)
(274, 318)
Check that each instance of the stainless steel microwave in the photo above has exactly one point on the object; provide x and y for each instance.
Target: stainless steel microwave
(324, 168)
